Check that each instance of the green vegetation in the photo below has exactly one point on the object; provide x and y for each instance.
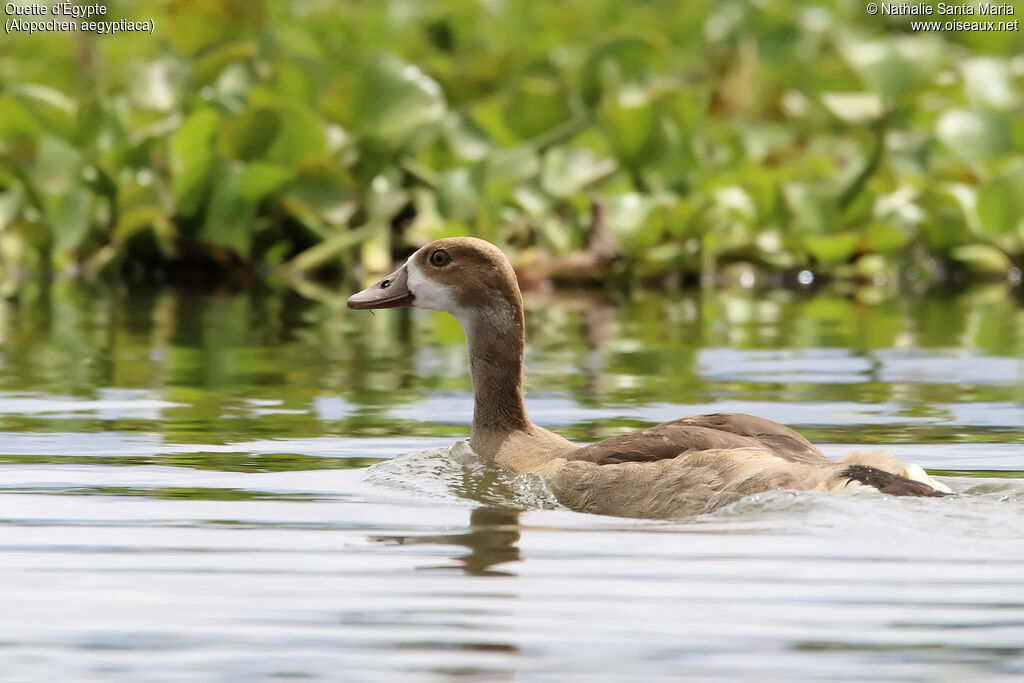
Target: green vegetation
(299, 135)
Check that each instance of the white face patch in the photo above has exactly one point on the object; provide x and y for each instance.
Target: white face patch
(429, 293)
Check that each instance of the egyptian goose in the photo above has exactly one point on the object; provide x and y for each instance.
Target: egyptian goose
(676, 469)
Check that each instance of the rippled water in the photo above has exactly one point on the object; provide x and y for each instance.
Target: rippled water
(255, 486)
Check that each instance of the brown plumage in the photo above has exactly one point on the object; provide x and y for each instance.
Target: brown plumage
(687, 466)
(718, 431)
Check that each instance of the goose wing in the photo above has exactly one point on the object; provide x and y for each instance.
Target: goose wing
(718, 431)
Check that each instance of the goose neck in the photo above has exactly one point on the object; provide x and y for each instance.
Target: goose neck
(496, 339)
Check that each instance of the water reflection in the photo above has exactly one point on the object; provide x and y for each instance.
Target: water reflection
(490, 539)
(216, 368)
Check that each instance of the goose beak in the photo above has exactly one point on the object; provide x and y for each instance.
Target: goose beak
(391, 292)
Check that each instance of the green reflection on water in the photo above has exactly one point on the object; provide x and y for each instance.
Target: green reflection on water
(271, 365)
(171, 493)
(199, 460)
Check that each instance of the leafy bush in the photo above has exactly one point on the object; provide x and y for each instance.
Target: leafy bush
(312, 133)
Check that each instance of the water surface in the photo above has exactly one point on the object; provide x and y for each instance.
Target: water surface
(240, 486)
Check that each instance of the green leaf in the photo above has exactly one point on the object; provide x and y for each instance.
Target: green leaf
(973, 135)
(192, 25)
(139, 189)
(892, 67)
(385, 198)
(854, 107)
(568, 170)
(54, 111)
(811, 213)
(375, 249)
(43, 94)
(70, 219)
(236, 84)
(229, 214)
(56, 177)
(192, 159)
(537, 102)
(988, 83)
(208, 67)
(982, 259)
(1001, 203)
(11, 202)
(682, 217)
(301, 137)
(506, 168)
(832, 249)
(137, 219)
(556, 235)
(628, 215)
(487, 118)
(533, 200)
(458, 193)
(886, 237)
(246, 136)
(95, 118)
(57, 168)
(320, 254)
(465, 139)
(735, 203)
(291, 81)
(130, 222)
(730, 222)
(951, 213)
(630, 120)
(631, 59)
(393, 99)
(157, 85)
(16, 119)
(322, 193)
(262, 178)
(874, 267)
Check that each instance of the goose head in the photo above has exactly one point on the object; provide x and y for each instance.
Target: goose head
(464, 276)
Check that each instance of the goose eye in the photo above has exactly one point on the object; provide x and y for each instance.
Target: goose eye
(439, 257)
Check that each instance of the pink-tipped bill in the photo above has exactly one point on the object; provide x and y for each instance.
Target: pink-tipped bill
(391, 292)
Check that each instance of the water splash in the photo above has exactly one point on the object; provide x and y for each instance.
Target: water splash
(980, 512)
(456, 474)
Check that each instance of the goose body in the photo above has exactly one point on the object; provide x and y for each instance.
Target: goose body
(679, 468)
